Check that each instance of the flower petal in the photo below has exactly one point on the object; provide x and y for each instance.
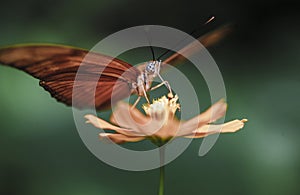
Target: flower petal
(102, 124)
(129, 117)
(228, 127)
(126, 116)
(212, 114)
(120, 138)
(215, 112)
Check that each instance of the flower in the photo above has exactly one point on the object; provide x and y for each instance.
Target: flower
(160, 123)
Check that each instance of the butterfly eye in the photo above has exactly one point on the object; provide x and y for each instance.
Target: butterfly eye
(150, 68)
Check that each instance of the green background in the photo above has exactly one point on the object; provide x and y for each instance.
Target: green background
(41, 152)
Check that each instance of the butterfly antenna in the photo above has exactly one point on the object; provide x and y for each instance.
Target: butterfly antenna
(151, 48)
(152, 51)
(191, 33)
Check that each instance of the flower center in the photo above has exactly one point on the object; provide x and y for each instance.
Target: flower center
(162, 108)
(158, 110)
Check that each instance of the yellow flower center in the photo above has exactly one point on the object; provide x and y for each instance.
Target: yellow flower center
(162, 108)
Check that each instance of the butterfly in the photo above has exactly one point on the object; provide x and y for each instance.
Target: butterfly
(56, 66)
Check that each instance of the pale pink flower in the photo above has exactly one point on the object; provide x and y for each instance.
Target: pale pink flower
(160, 123)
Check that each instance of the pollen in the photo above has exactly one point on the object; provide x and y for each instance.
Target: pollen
(162, 108)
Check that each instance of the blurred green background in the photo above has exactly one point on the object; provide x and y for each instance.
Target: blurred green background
(41, 152)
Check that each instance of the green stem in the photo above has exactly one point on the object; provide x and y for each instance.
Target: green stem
(161, 170)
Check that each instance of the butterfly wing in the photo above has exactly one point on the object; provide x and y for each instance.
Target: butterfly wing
(206, 40)
(57, 66)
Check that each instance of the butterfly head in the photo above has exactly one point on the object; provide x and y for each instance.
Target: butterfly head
(153, 67)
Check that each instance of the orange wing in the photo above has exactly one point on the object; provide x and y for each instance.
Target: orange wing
(206, 40)
(56, 67)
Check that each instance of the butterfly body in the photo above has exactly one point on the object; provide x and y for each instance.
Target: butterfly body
(145, 79)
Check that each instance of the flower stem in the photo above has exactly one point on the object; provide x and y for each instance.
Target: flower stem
(161, 170)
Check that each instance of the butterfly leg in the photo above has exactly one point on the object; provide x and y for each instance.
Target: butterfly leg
(139, 98)
(163, 82)
(145, 94)
(166, 83)
(136, 102)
